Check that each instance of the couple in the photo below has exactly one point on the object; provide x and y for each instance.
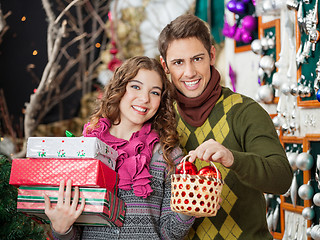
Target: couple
(213, 124)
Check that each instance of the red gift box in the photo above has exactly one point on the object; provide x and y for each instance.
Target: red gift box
(82, 172)
(102, 208)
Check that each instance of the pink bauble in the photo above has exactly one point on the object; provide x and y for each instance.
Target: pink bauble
(246, 36)
(249, 23)
(231, 5)
(232, 30)
(237, 35)
(226, 29)
(240, 8)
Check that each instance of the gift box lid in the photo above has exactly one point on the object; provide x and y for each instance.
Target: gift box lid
(69, 147)
(82, 172)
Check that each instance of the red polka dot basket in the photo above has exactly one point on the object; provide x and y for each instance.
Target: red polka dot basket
(195, 195)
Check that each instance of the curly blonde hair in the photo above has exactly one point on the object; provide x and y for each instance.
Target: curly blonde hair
(163, 122)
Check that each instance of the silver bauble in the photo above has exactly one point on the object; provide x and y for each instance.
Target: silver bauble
(292, 157)
(266, 93)
(315, 232)
(256, 46)
(318, 162)
(305, 192)
(285, 88)
(304, 161)
(294, 89)
(278, 121)
(316, 199)
(271, 43)
(264, 43)
(307, 91)
(276, 80)
(301, 90)
(308, 231)
(267, 64)
(308, 213)
(261, 74)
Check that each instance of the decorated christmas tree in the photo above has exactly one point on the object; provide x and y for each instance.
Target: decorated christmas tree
(14, 225)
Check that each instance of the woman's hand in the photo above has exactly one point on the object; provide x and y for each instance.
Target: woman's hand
(211, 150)
(66, 212)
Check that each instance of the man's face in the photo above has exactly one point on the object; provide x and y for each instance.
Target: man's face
(188, 63)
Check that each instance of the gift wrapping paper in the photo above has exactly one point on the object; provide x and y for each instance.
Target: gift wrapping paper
(102, 207)
(71, 147)
(82, 172)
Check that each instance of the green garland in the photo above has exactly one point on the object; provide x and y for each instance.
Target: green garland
(14, 225)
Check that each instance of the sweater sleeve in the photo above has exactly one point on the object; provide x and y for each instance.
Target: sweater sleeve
(173, 225)
(262, 163)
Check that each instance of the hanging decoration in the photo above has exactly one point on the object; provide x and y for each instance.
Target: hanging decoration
(244, 30)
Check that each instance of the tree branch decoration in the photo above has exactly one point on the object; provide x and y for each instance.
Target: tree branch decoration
(66, 73)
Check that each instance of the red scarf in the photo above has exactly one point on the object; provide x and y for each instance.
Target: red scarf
(196, 110)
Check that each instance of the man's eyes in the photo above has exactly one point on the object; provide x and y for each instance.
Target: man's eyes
(178, 62)
(197, 59)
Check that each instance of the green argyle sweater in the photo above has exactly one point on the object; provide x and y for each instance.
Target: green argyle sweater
(260, 166)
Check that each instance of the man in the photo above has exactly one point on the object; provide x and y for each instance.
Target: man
(227, 128)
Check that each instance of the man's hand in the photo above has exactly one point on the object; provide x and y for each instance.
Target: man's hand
(66, 212)
(211, 150)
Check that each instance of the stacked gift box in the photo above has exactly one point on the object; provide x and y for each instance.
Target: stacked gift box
(87, 161)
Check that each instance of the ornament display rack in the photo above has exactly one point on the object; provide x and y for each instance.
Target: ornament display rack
(311, 144)
(294, 215)
(240, 46)
(271, 29)
(308, 68)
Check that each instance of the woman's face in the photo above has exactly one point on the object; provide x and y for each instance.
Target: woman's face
(141, 99)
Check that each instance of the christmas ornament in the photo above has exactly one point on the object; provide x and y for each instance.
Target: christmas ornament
(267, 64)
(266, 93)
(276, 80)
(233, 79)
(275, 217)
(293, 190)
(304, 161)
(308, 213)
(316, 199)
(318, 95)
(305, 192)
(246, 36)
(249, 23)
(292, 156)
(315, 232)
(186, 168)
(256, 46)
(210, 171)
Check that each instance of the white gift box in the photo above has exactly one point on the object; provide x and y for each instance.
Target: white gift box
(71, 147)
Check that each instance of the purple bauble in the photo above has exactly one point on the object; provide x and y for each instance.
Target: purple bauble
(246, 36)
(231, 5)
(246, 1)
(249, 23)
(318, 95)
(226, 29)
(232, 30)
(240, 8)
(237, 35)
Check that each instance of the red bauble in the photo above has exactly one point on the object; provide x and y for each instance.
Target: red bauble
(189, 168)
(210, 171)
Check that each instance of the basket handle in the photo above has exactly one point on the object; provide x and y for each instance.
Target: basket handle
(184, 170)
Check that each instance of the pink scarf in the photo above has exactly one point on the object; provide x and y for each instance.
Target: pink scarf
(134, 155)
